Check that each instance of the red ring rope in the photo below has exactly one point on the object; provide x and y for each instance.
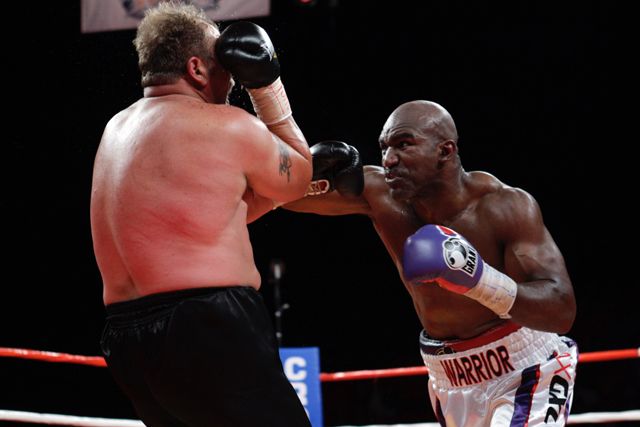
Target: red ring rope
(47, 356)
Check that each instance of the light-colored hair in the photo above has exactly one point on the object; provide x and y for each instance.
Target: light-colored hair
(170, 34)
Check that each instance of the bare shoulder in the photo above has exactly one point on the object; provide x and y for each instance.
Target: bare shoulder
(376, 190)
(373, 169)
(231, 127)
(374, 178)
(505, 204)
(123, 115)
(233, 119)
(378, 196)
(492, 189)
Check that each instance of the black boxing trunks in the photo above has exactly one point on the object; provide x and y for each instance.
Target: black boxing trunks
(200, 357)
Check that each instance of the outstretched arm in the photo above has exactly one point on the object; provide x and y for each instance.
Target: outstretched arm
(336, 166)
(335, 203)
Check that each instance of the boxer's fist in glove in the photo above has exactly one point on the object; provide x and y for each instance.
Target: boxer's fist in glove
(336, 166)
(245, 50)
(438, 254)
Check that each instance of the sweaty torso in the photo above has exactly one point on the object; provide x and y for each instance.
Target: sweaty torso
(167, 209)
(443, 314)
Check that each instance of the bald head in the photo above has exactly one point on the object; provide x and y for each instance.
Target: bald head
(426, 116)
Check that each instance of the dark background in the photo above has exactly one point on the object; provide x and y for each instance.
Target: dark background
(540, 98)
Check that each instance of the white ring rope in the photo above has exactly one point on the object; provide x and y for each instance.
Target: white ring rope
(66, 420)
(587, 418)
(70, 420)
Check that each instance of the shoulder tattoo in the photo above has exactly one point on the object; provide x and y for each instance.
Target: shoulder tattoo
(285, 162)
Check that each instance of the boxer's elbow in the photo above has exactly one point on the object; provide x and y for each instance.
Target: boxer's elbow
(566, 312)
(300, 180)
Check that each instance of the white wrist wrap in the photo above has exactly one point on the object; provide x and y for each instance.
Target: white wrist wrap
(495, 291)
(318, 187)
(271, 103)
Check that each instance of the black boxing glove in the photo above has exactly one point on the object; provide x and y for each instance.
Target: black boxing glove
(336, 166)
(245, 50)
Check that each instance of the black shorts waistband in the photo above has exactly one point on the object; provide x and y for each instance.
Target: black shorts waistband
(164, 299)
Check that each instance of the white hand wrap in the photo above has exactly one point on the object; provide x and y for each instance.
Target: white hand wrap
(271, 103)
(318, 187)
(495, 291)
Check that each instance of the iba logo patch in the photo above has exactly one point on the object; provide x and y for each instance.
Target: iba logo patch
(459, 255)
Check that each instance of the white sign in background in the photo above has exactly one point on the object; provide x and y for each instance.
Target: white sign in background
(110, 15)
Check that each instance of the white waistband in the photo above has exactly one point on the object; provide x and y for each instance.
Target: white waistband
(512, 353)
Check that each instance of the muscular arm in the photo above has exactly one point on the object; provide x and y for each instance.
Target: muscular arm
(294, 157)
(334, 203)
(545, 299)
(277, 161)
(277, 166)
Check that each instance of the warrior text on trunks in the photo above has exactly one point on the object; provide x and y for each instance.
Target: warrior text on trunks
(476, 368)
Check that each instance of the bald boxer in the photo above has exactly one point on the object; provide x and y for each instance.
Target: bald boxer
(177, 177)
(487, 280)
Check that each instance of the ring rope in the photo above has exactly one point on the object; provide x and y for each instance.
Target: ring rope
(71, 420)
(48, 356)
(596, 356)
(66, 420)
